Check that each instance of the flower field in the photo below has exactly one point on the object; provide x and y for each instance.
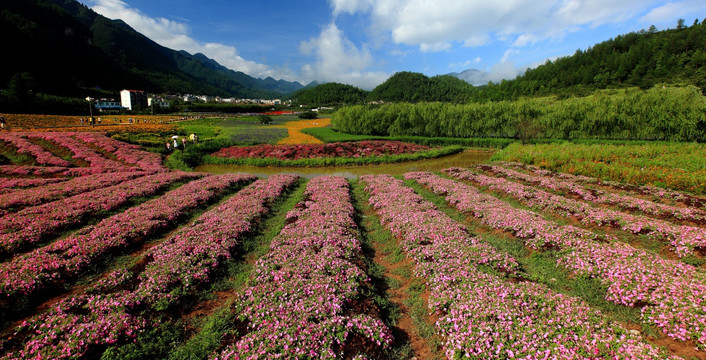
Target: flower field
(63, 123)
(340, 149)
(106, 254)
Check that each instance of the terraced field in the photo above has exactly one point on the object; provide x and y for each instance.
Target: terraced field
(104, 253)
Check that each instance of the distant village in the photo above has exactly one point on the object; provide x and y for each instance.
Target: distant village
(139, 100)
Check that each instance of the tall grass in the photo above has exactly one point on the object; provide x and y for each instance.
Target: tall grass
(661, 113)
(680, 166)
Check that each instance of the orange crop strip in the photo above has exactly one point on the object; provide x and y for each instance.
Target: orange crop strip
(297, 137)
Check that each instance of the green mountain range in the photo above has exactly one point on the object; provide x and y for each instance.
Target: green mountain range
(61, 47)
(639, 59)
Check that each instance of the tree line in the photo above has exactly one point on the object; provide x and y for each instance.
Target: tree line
(659, 113)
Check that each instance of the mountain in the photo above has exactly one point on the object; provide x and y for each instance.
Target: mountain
(638, 59)
(61, 47)
(330, 94)
(415, 87)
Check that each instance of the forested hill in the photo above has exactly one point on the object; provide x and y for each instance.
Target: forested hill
(639, 59)
(330, 94)
(61, 47)
(642, 59)
(415, 87)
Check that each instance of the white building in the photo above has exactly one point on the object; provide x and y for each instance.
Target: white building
(133, 99)
(157, 102)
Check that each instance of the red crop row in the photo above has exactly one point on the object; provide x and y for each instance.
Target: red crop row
(49, 192)
(10, 185)
(339, 149)
(131, 154)
(103, 154)
(657, 193)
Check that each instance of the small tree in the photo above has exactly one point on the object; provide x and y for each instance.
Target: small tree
(265, 119)
(308, 115)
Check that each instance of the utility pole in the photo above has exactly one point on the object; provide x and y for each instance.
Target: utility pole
(90, 108)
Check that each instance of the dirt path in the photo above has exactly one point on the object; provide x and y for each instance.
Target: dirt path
(399, 296)
(296, 136)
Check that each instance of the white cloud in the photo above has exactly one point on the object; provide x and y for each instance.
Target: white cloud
(175, 35)
(466, 63)
(339, 60)
(669, 12)
(435, 47)
(425, 23)
(508, 54)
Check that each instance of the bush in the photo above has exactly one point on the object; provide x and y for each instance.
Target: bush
(308, 115)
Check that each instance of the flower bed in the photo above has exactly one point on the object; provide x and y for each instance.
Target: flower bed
(484, 316)
(33, 224)
(297, 305)
(683, 239)
(42, 194)
(341, 149)
(10, 185)
(72, 327)
(66, 258)
(600, 196)
(24, 146)
(98, 162)
(674, 293)
(658, 194)
(131, 154)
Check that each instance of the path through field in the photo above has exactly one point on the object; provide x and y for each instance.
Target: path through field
(297, 137)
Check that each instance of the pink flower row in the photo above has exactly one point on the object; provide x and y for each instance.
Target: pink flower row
(10, 185)
(484, 316)
(24, 146)
(658, 194)
(35, 224)
(51, 192)
(65, 258)
(14, 170)
(298, 301)
(131, 154)
(72, 327)
(673, 293)
(98, 162)
(683, 239)
(189, 256)
(601, 197)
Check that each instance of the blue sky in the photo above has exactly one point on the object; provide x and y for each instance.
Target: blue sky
(363, 42)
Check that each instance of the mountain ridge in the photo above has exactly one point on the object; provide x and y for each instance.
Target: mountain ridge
(89, 53)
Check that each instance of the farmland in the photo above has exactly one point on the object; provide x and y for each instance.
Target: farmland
(105, 253)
